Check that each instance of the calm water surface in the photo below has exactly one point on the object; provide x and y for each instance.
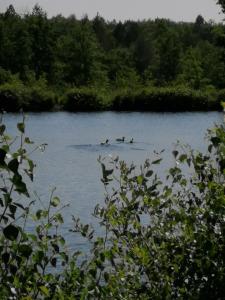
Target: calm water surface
(70, 160)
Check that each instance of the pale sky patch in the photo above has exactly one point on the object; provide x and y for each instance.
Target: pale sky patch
(177, 10)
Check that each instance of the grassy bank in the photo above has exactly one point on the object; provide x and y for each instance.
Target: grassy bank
(40, 97)
(17, 96)
(167, 99)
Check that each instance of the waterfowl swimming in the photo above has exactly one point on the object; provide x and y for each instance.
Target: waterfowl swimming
(121, 139)
(131, 141)
(105, 143)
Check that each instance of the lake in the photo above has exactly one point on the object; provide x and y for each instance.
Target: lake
(70, 159)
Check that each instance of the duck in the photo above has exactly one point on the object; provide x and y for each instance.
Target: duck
(131, 141)
(105, 143)
(121, 139)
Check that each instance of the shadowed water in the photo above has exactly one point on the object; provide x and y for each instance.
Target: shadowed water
(109, 147)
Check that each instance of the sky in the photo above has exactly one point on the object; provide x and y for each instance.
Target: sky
(177, 10)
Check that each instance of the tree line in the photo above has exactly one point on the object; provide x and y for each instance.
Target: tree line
(97, 57)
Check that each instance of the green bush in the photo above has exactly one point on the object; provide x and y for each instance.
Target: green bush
(15, 96)
(12, 96)
(221, 96)
(5, 76)
(37, 96)
(165, 99)
(165, 240)
(83, 99)
(40, 99)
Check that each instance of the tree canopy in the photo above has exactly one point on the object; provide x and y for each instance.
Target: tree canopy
(67, 53)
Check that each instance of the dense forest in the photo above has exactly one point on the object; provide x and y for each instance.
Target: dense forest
(60, 62)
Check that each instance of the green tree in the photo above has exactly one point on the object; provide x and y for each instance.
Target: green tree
(42, 42)
(103, 33)
(191, 69)
(79, 55)
(168, 48)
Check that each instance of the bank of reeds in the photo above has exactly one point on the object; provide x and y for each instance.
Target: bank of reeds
(34, 97)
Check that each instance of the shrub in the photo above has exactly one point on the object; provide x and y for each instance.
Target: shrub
(25, 255)
(15, 96)
(83, 99)
(221, 95)
(5, 76)
(165, 99)
(164, 240)
(12, 96)
(40, 99)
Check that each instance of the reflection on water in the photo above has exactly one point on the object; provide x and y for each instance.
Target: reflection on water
(107, 147)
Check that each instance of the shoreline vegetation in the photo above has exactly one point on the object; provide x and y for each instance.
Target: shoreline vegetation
(59, 63)
(15, 98)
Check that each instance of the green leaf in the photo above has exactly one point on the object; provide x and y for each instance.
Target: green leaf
(55, 247)
(62, 241)
(44, 290)
(140, 179)
(175, 153)
(222, 164)
(59, 218)
(39, 256)
(5, 219)
(12, 209)
(21, 127)
(182, 157)
(19, 205)
(156, 162)
(5, 257)
(105, 174)
(28, 141)
(108, 172)
(2, 129)
(11, 232)
(7, 199)
(29, 171)
(31, 164)
(53, 262)
(39, 214)
(149, 173)
(2, 157)
(64, 256)
(102, 257)
(25, 250)
(55, 201)
(19, 184)
(5, 148)
(210, 148)
(106, 276)
(13, 165)
(85, 230)
(93, 272)
(215, 141)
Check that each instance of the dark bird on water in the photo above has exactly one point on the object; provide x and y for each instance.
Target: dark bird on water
(121, 139)
(131, 141)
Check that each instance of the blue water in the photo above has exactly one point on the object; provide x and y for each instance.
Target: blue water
(69, 162)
